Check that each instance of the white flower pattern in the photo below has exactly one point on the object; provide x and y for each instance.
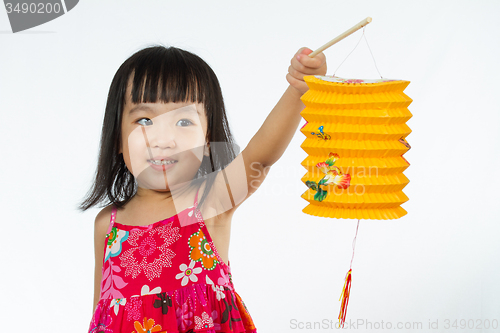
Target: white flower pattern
(188, 273)
(114, 244)
(219, 290)
(204, 322)
(145, 290)
(115, 303)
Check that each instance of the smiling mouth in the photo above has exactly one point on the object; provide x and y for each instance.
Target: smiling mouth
(162, 162)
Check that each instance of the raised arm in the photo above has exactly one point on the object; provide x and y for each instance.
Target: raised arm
(244, 175)
(271, 140)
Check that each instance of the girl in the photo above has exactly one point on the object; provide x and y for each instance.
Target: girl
(165, 140)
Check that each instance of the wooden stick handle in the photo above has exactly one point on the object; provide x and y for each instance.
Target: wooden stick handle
(342, 36)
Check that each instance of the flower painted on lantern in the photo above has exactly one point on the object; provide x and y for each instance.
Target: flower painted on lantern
(202, 251)
(332, 158)
(320, 193)
(354, 81)
(333, 175)
(325, 168)
(147, 327)
(188, 273)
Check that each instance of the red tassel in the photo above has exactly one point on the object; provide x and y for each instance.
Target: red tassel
(345, 298)
(347, 286)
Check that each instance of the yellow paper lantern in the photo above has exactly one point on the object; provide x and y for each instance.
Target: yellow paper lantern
(355, 138)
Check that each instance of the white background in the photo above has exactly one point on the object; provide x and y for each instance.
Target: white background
(440, 262)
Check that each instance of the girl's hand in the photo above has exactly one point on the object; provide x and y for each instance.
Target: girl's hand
(302, 65)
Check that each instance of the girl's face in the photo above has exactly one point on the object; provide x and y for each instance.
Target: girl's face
(162, 131)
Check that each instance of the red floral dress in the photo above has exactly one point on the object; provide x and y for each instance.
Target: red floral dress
(167, 277)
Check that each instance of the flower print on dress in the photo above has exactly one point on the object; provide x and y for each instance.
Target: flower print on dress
(231, 312)
(145, 255)
(101, 320)
(215, 317)
(111, 282)
(204, 322)
(219, 290)
(184, 316)
(115, 303)
(114, 245)
(202, 250)
(224, 279)
(133, 308)
(164, 301)
(145, 290)
(147, 327)
(245, 315)
(188, 273)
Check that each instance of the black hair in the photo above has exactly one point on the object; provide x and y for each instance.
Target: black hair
(182, 76)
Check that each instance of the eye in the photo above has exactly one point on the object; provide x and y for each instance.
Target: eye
(142, 123)
(185, 121)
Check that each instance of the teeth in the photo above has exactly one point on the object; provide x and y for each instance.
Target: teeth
(162, 162)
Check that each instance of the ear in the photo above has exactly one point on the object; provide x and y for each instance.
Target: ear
(206, 151)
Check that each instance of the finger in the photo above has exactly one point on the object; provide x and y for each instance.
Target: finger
(300, 74)
(299, 67)
(316, 62)
(297, 84)
(303, 50)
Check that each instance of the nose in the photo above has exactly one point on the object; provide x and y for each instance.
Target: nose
(159, 137)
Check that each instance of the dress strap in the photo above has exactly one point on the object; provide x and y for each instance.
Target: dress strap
(112, 221)
(196, 198)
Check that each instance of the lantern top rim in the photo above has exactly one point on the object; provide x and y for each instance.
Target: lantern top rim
(337, 79)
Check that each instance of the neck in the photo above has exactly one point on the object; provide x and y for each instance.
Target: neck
(145, 196)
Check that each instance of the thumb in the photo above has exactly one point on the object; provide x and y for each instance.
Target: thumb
(306, 51)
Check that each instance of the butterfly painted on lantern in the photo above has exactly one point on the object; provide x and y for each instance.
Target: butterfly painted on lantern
(403, 141)
(333, 175)
(321, 134)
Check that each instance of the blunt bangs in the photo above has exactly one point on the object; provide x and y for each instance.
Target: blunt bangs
(169, 75)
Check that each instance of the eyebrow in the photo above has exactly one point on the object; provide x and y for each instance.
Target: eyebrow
(143, 107)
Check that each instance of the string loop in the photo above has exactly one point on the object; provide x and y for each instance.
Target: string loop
(373, 58)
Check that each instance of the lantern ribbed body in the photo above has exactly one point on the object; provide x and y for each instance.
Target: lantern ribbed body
(365, 125)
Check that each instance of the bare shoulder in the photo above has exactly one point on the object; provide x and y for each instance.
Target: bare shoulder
(102, 221)
(101, 226)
